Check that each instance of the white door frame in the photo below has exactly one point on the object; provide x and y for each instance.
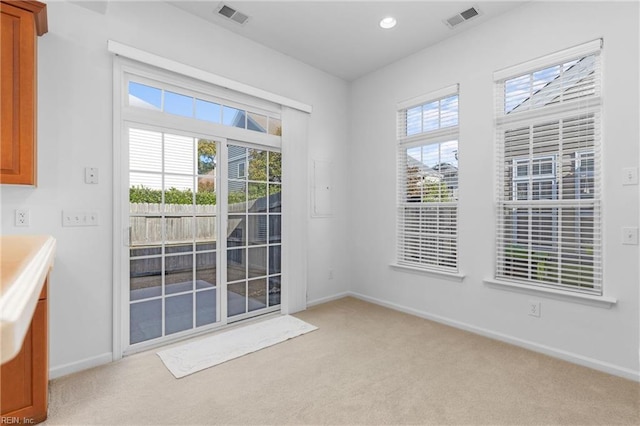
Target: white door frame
(295, 195)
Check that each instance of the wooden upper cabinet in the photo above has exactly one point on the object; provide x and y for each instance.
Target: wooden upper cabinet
(22, 22)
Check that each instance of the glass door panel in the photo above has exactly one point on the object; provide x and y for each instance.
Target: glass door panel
(253, 231)
(173, 234)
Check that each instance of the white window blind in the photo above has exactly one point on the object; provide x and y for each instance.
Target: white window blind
(428, 182)
(548, 230)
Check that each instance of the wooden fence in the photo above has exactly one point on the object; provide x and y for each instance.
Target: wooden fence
(181, 226)
(183, 223)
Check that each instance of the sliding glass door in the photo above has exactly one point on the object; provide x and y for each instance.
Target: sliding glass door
(187, 271)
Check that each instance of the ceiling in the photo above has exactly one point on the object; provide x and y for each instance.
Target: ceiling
(343, 37)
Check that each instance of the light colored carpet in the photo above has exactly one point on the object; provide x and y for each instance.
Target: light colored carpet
(194, 356)
(364, 365)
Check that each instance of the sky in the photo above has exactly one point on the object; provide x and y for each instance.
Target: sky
(144, 96)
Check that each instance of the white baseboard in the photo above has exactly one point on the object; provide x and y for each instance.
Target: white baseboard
(536, 347)
(84, 364)
(322, 300)
(595, 364)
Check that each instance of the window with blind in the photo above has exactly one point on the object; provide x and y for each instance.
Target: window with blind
(548, 179)
(428, 182)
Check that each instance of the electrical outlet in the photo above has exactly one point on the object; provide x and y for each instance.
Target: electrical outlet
(22, 217)
(534, 308)
(79, 218)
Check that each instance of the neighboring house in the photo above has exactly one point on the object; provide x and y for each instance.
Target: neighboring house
(237, 165)
(448, 174)
(420, 174)
(572, 78)
(552, 175)
(255, 122)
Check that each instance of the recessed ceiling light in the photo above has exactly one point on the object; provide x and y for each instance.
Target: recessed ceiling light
(388, 22)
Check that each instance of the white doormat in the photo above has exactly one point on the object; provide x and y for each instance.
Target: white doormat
(204, 353)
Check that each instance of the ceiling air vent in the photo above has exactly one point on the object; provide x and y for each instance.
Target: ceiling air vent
(462, 17)
(232, 14)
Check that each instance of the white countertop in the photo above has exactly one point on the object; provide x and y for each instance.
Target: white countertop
(25, 261)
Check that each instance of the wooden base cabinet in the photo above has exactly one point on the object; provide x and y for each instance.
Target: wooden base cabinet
(24, 380)
(21, 23)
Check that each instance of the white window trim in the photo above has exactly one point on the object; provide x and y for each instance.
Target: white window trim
(423, 99)
(587, 299)
(404, 142)
(164, 80)
(198, 74)
(584, 106)
(583, 49)
(451, 276)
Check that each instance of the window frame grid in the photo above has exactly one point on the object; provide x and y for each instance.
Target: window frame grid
(430, 249)
(585, 109)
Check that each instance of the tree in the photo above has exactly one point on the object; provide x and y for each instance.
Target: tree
(258, 165)
(275, 167)
(258, 162)
(206, 165)
(206, 156)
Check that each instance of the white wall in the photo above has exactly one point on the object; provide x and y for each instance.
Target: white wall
(75, 131)
(354, 130)
(599, 337)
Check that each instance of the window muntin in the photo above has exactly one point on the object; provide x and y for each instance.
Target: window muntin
(548, 224)
(156, 98)
(558, 83)
(433, 115)
(428, 184)
(432, 172)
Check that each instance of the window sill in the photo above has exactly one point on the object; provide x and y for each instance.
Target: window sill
(586, 299)
(451, 276)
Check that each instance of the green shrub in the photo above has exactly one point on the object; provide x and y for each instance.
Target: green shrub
(545, 269)
(142, 194)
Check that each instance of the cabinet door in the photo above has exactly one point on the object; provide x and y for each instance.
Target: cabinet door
(17, 96)
(24, 379)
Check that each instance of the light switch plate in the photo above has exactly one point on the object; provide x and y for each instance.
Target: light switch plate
(79, 218)
(630, 176)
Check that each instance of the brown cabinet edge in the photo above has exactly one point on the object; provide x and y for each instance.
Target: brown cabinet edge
(38, 9)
